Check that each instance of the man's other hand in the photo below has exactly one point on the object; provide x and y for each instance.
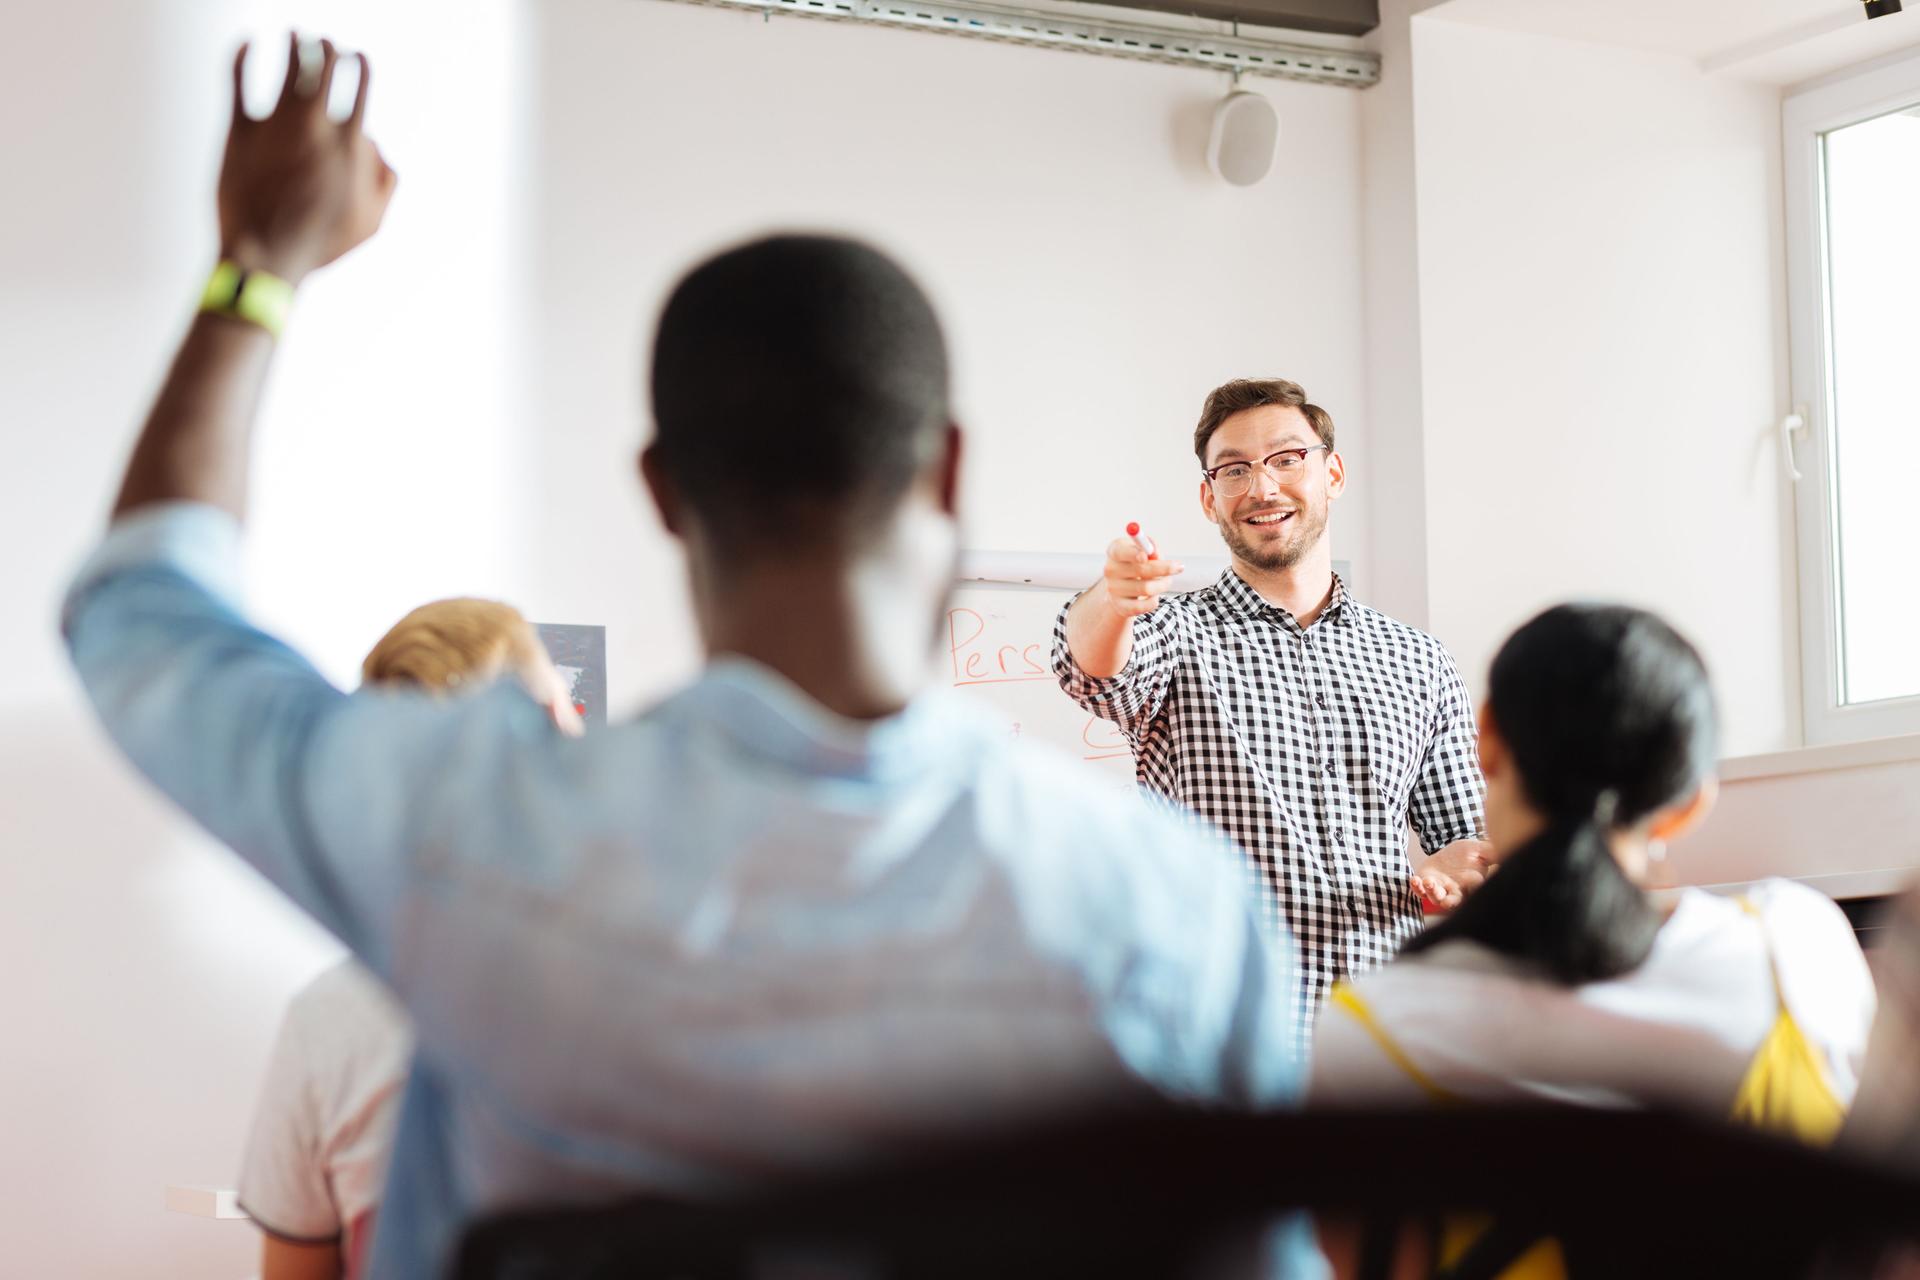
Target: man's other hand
(1447, 877)
(299, 189)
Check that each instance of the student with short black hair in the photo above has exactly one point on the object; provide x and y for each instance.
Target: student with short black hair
(805, 911)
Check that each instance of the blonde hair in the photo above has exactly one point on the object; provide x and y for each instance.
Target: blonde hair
(443, 646)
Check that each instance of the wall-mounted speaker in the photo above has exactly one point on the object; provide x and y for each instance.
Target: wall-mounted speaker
(1246, 129)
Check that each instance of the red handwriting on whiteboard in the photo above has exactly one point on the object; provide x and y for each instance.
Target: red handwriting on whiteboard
(981, 654)
(1104, 740)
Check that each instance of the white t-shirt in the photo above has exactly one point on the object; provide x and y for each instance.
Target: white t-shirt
(317, 1157)
(1679, 1031)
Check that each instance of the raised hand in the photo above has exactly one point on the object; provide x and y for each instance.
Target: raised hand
(299, 189)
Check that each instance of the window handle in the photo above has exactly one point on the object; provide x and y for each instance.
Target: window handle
(1795, 421)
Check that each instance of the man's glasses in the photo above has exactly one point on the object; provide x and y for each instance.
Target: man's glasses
(1231, 479)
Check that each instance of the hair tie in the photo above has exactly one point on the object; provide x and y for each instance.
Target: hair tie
(1605, 806)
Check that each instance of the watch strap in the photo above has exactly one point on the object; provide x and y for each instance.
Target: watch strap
(258, 297)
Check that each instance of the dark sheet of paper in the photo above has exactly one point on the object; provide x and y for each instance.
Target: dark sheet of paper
(580, 652)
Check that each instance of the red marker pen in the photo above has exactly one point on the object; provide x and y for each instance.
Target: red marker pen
(1141, 540)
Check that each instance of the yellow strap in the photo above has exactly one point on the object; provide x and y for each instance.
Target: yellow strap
(1766, 942)
(258, 297)
(1785, 1089)
(1544, 1260)
(1348, 999)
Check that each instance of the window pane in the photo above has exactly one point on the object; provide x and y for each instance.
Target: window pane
(1873, 263)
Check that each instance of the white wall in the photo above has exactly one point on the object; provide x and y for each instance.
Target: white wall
(1843, 818)
(145, 969)
(456, 409)
(1603, 333)
(1395, 388)
(1095, 279)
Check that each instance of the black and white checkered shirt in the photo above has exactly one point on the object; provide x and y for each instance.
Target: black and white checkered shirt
(1311, 748)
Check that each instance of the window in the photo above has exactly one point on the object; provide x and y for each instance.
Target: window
(1853, 234)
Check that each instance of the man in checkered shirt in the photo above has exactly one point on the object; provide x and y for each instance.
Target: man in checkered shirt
(1305, 725)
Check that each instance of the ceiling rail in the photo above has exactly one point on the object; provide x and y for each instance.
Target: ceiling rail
(1216, 51)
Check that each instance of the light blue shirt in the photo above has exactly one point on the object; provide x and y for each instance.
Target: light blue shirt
(735, 938)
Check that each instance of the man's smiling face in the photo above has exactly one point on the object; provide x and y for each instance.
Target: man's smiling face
(1275, 523)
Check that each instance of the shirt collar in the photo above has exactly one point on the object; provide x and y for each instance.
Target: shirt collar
(1247, 602)
(769, 716)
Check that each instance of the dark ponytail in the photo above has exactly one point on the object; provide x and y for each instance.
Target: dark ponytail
(1608, 718)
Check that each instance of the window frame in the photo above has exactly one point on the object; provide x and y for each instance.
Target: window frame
(1850, 97)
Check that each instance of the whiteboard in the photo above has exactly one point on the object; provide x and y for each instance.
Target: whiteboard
(999, 649)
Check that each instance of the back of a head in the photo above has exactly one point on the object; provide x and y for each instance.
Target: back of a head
(799, 384)
(1607, 715)
(454, 644)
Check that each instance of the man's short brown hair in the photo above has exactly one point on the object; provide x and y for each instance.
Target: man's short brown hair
(1250, 393)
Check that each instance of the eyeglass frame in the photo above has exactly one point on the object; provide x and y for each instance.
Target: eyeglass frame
(1301, 450)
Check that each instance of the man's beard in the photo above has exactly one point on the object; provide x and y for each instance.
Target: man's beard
(1309, 525)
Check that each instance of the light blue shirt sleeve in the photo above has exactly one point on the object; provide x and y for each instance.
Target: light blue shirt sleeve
(327, 795)
(1245, 1005)
(1194, 990)
(1246, 972)
(1263, 1059)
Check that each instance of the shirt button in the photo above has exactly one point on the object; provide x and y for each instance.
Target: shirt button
(1331, 768)
(1338, 835)
(1320, 701)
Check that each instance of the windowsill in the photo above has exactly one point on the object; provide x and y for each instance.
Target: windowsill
(1839, 755)
(1840, 886)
